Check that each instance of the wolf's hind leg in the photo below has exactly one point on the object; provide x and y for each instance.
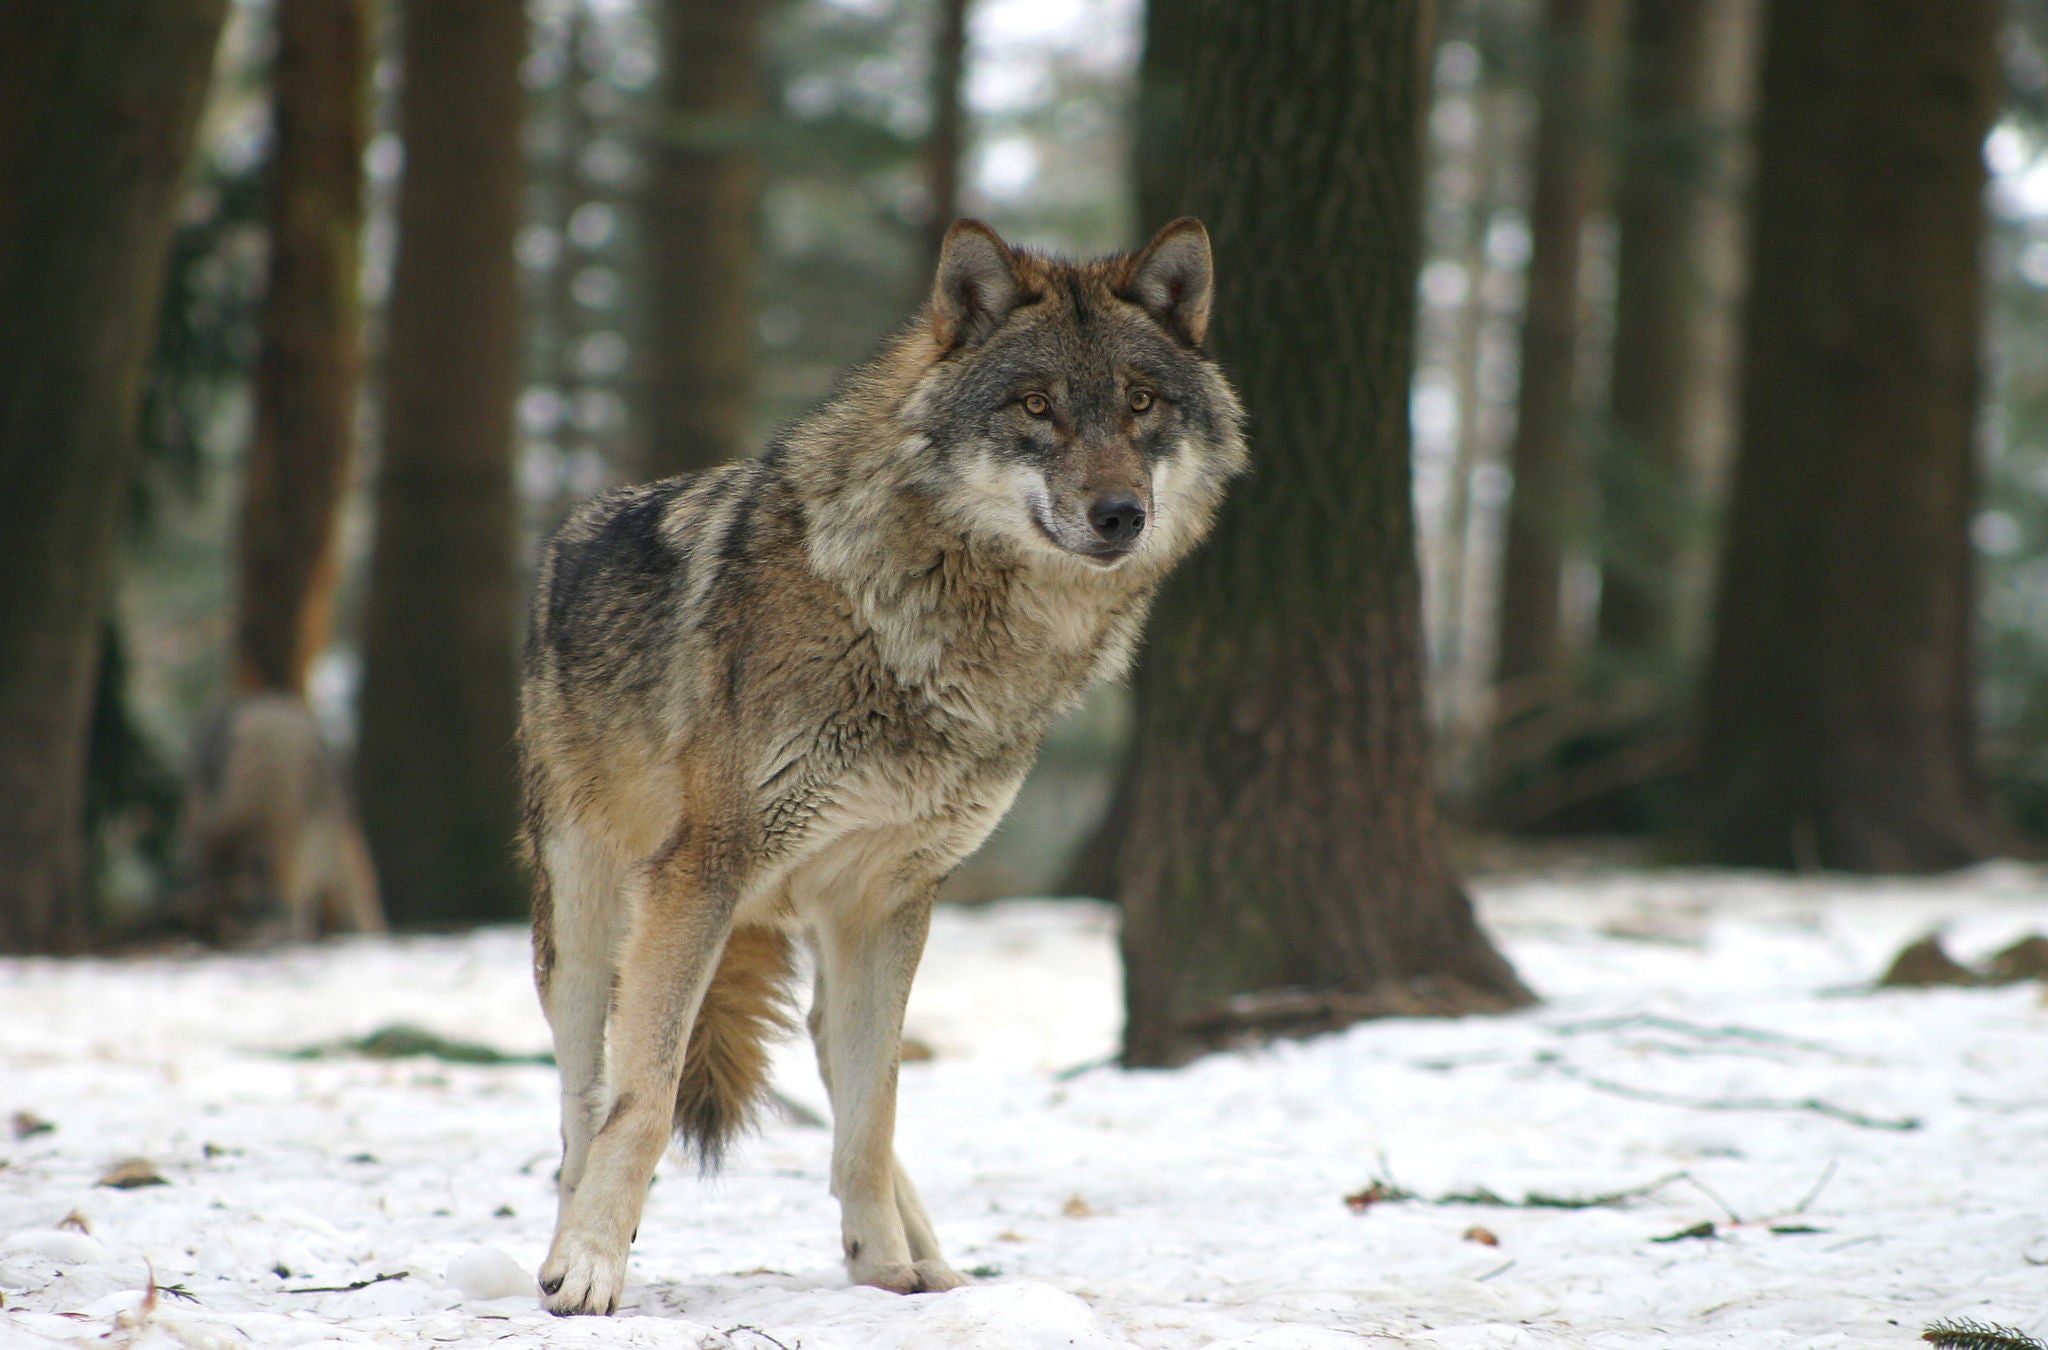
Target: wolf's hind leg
(677, 932)
(584, 889)
(865, 967)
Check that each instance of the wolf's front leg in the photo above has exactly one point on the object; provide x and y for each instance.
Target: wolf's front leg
(866, 963)
(670, 952)
(581, 905)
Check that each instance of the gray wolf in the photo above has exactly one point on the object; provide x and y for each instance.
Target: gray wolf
(268, 839)
(786, 696)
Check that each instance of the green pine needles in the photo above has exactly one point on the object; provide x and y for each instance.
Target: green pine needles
(1960, 1333)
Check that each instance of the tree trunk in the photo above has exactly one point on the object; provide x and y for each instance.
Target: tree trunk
(1284, 870)
(1546, 456)
(1673, 149)
(435, 767)
(99, 101)
(1159, 145)
(699, 236)
(1159, 173)
(945, 141)
(1838, 724)
(310, 367)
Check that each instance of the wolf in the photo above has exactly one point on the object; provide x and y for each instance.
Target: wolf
(268, 838)
(783, 698)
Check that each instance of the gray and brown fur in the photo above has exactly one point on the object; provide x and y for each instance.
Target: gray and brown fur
(787, 696)
(269, 842)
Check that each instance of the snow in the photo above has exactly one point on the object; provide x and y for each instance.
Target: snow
(1199, 1207)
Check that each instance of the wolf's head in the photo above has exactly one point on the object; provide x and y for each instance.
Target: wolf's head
(1069, 408)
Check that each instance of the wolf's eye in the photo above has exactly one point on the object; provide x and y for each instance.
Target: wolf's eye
(1141, 400)
(1038, 405)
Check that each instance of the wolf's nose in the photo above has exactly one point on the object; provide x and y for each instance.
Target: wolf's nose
(1117, 519)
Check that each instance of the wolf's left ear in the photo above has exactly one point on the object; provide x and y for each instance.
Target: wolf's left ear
(1172, 278)
(977, 285)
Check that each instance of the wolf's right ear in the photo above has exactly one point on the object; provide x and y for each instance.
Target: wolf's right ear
(977, 285)
(1173, 277)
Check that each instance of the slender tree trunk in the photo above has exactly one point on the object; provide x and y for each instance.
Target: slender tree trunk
(1547, 456)
(99, 101)
(1284, 869)
(699, 236)
(1475, 445)
(1672, 151)
(435, 765)
(1734, 41)
(310, 368)
(1838, 716)
(945, 142)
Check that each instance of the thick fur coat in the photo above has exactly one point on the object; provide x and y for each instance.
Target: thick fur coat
(787, 696)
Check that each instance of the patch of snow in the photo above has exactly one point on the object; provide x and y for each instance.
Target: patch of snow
(1708, 1040)
(487, 1273)
(59, 1244)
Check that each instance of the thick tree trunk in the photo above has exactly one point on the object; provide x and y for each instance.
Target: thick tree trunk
(310, 367)
(435, 766)
(1284, 869)
(99, 101)
(945, 141)
(1838, 724)
(699, 236)
(1546, 457)
(1159, 173)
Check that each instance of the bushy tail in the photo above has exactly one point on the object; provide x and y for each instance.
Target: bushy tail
(725, 1072)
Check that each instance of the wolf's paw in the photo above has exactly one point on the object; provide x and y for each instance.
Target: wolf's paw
(924, 1277)
(579, 1277)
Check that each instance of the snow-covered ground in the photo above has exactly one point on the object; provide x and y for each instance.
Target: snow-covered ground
(1201, 1207)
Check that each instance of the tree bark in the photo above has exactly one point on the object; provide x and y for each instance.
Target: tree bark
(945, 141)
(1284, 869)
(1159, 174)
(309, 368)
(1838, 719)
(1547, 455)
(435, 766)
(702, 185)
(99, 102)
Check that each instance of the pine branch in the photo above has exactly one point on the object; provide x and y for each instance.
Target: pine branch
(1960, 1333)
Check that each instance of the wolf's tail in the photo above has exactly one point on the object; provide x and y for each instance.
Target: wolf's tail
(725, 1071)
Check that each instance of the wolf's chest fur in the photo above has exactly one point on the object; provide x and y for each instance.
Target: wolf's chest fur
(948, 673)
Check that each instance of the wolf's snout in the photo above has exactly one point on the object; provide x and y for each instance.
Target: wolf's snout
(1117, 519)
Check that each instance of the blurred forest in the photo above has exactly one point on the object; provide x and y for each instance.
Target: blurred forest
(433, 273)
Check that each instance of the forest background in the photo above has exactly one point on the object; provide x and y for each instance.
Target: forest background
(703, 213)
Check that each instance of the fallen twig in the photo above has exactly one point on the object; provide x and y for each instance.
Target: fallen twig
(1382, 1191)
(1820, 1184)
(1073, 1071)
(1813, 1104)
(1659, 1022)
(348, 1288)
